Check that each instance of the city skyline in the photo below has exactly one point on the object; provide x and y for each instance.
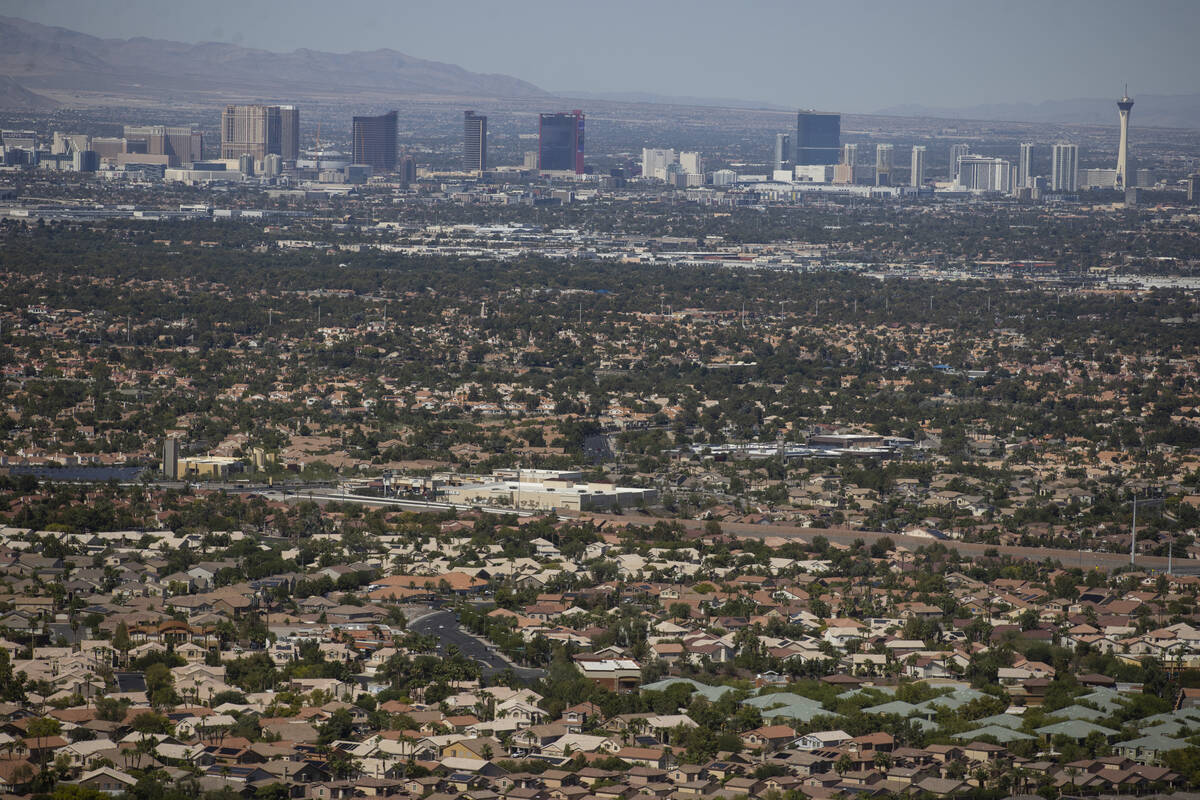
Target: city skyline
(1155, 54)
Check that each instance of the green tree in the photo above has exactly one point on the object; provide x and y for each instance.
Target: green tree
(12, 687)
(340, 725)
(43, 728)
(121, 641)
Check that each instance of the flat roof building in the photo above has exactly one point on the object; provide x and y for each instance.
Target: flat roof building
(474, 142)
(916, 170)
(655, 162)
(957, 151)
(546, 491)
(1025, 166)
(884, 160)
(561, 142)
(1064, 168)
(783, 151)
(254, 130)
(984, 174)
(180, 144)
(375, 141)
(818, 138)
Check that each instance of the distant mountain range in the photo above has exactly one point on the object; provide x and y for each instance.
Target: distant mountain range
(15, 97)
(38, 59)
(1154, 110)
(43, 68)
(673, 100)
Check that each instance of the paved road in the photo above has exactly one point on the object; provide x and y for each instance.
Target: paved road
(332, 495)
(1068, 558)
(444, 626)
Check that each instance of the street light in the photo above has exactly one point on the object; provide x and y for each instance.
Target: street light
(1147, 502)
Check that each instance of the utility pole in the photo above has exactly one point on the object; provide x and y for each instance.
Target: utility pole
(1133, 533)
(1145, 502)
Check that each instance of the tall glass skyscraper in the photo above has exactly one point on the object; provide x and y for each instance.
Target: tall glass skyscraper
(375, 141)
(474, 142)
(818, 138)
(289, 133)
(560, 142)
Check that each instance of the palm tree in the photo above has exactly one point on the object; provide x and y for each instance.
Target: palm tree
(1072, 772)
(41, 728)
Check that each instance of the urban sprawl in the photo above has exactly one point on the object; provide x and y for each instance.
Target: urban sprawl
(409, 459)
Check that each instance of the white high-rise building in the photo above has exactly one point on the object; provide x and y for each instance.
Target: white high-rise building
(1025, 165)
(984, 174)
(724, 177)
(1064, 168)
(691, 162)
(957, 151)
(655, 162)
(850, 154)
(783, 151)
(916, 175)
(883, 164)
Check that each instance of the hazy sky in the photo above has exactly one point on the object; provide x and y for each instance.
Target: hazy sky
(850, 55)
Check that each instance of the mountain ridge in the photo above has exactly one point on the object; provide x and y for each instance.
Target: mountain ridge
(47, 59)
(15, 97)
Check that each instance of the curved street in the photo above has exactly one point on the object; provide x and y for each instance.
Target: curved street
(443, 625)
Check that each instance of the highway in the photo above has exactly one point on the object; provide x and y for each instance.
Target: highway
(1082, 559)
(444, 626)
(328, 495)
(1068, 558)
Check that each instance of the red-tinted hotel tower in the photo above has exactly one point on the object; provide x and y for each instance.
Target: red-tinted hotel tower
(560, 142)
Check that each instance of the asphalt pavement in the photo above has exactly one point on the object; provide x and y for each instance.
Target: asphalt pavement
(444, 626)
(1068, 558)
